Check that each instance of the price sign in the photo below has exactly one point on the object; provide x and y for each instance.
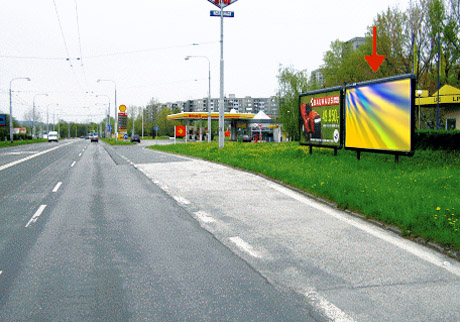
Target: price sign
(122, 121)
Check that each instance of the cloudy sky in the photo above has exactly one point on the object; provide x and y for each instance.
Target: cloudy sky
(65, 46)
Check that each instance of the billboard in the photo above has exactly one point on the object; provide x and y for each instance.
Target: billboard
(379, 115)
(321, 118)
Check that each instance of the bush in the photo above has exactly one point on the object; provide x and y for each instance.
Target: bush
(437, 140)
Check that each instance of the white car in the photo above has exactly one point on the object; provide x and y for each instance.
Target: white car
(53, 136)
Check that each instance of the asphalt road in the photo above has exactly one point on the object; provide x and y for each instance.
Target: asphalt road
(85, 236)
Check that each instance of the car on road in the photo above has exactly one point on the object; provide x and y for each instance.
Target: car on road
(53, 136)
(135, 138)
(94, 137)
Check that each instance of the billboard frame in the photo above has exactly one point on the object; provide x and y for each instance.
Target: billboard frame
(396, 153)
(341, 91)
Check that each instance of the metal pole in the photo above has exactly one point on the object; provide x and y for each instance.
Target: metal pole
(11, 118)
(142, 122)
(221, 99)
(47, 120)
(209, 103)
(439, 66)
(33, 112)
(11, 107)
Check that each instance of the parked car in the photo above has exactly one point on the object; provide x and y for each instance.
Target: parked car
(94, 137)
(246, 138)
(135, 138)
(53, 136)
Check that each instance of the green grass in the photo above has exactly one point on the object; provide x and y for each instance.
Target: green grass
(118, 142)
(5, 144)
(420, 195)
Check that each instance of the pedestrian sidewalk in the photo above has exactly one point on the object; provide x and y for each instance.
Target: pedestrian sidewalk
(349, 269)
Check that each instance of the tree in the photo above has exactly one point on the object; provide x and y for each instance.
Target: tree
(291, 84)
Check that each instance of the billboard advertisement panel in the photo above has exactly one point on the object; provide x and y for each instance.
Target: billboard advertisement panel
(320, 118)
(378, 115)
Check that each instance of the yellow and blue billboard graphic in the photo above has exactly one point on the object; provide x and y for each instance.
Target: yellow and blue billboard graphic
(378, 116)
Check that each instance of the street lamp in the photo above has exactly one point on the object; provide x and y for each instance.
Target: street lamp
(115, 114)
(108, 112)
(33, 112)
(419, 94)
(209, 94)
(11, 108)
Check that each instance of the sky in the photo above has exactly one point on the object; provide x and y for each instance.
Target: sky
(138, 47)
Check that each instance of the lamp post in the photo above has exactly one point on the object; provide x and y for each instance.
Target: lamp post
(419, 94)
(209, 93)
(115, 130)
(33, 112)
(108, 113)
(11, 107)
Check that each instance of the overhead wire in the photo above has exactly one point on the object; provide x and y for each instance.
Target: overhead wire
(65, 43)
(79, 44)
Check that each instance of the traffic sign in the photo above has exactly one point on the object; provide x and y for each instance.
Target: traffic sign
(109, 128)
(2, 119)
(156, 128)
(125, 136)
(227, 14)
(222, 3)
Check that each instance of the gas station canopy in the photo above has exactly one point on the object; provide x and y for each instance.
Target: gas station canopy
(214, 115)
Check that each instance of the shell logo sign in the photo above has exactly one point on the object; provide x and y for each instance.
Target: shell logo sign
(180, 131)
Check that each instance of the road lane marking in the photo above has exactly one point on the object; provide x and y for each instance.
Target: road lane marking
(36, 215)
(79, 154)
(1, 272)
(328, 309)
(181, 200)
(409, 246)
(11, 164)
(204, 217)
(73, 164)
(56, 188)
(245, 247)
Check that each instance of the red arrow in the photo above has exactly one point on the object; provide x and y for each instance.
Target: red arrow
(375, 60)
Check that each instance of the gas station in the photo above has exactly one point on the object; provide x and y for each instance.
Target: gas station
(236, 125)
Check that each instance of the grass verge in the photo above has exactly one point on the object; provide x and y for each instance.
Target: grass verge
(5, 144)
(118, 142)
(420, 195)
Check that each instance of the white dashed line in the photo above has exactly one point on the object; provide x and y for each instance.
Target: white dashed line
(245, 247)
(57, 187)
(73, 164)
(36, 215)
(181, 200)
(79, 154)
(1, 272)
(204, 217)
(326, 308)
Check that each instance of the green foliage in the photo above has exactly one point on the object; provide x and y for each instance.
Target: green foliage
(414, 194)
(291, 84)
(437, 140)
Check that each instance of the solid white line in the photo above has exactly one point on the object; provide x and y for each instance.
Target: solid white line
(411, 247)
(73, 164)
(204, 217)
(36, 215)
(245, 247)
(328, 309)
(6, 166)
(58, 185)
